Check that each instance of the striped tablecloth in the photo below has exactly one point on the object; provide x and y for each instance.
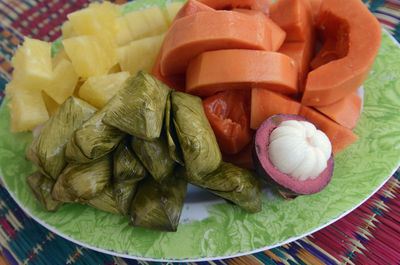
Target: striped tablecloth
(368, 235)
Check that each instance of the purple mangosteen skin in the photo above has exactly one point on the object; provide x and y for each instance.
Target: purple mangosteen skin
(271, 174)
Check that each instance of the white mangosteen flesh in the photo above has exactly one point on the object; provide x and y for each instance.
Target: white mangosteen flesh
(299, 149)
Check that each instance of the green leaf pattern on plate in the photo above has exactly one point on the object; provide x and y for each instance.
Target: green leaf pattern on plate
(360, 170)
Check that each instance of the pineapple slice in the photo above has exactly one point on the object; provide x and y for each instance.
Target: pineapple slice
(58, 57)
(27, 108)
(141, 24)
(98, 90)
(98, 20)
(63, 83)
(140, 54)
(51, 105)
(32, 64)
(173, 9)
(88, 56)
(124, 35)
(67, 30)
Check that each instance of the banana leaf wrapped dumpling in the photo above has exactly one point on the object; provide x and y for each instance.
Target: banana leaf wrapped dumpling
(118, 194)
(159, 206)
(41, 188)
(128, 171)
(138, 108)
(154, 155)
(47, 150)
(82, 182)
(235, 184)
(106, 201)
(199, 146)
(93, 139)
(174, 149)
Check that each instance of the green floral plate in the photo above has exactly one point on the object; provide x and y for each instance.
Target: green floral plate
(211, 228)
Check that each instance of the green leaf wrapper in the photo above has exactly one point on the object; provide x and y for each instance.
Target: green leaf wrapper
(159, 206)
(93, 139)
(138, 108)
(41, 188)
(200, 149)
(236, 184)
(82, 182)
(47, 150)
(154, 155)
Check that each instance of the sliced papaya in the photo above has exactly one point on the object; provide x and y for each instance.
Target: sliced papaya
(260, 5)
(215, 71)
(192, 7)
(278, 35)
(340, 137)
(301, 52)
(360, 36)
(214, 30)
(315, 7)
(346, 111)
(176, 82)
(335, 40)
(294, 17)
(265, 103)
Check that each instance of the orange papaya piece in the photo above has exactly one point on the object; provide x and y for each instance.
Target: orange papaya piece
(315, 6)
(260, 5)
(176, 82)
(346, 111)
(301, 52)
(294, 17)
(204, 31)
(339, 136)
(192, 7)
(335, 46)
(278, 35)
(356, 34)
(215, 71)
(265, 103)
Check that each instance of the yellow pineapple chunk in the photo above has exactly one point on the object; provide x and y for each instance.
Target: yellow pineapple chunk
(173, 9)
(27, 109)
(67, 30)
(63, 82)
(140, 54)
(143, 23)
(51, 105)
(124, 35)
(98, 90)
(59, 56)
(32, 64)
(88, 56)
(98, 20)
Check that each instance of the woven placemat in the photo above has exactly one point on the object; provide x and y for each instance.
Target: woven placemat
(368, 235)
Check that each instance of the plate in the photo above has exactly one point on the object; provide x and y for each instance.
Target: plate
(212, 229)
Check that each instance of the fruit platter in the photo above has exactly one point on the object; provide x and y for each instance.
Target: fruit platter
(197, 130)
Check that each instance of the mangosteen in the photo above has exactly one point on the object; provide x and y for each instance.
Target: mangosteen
(290, 152)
